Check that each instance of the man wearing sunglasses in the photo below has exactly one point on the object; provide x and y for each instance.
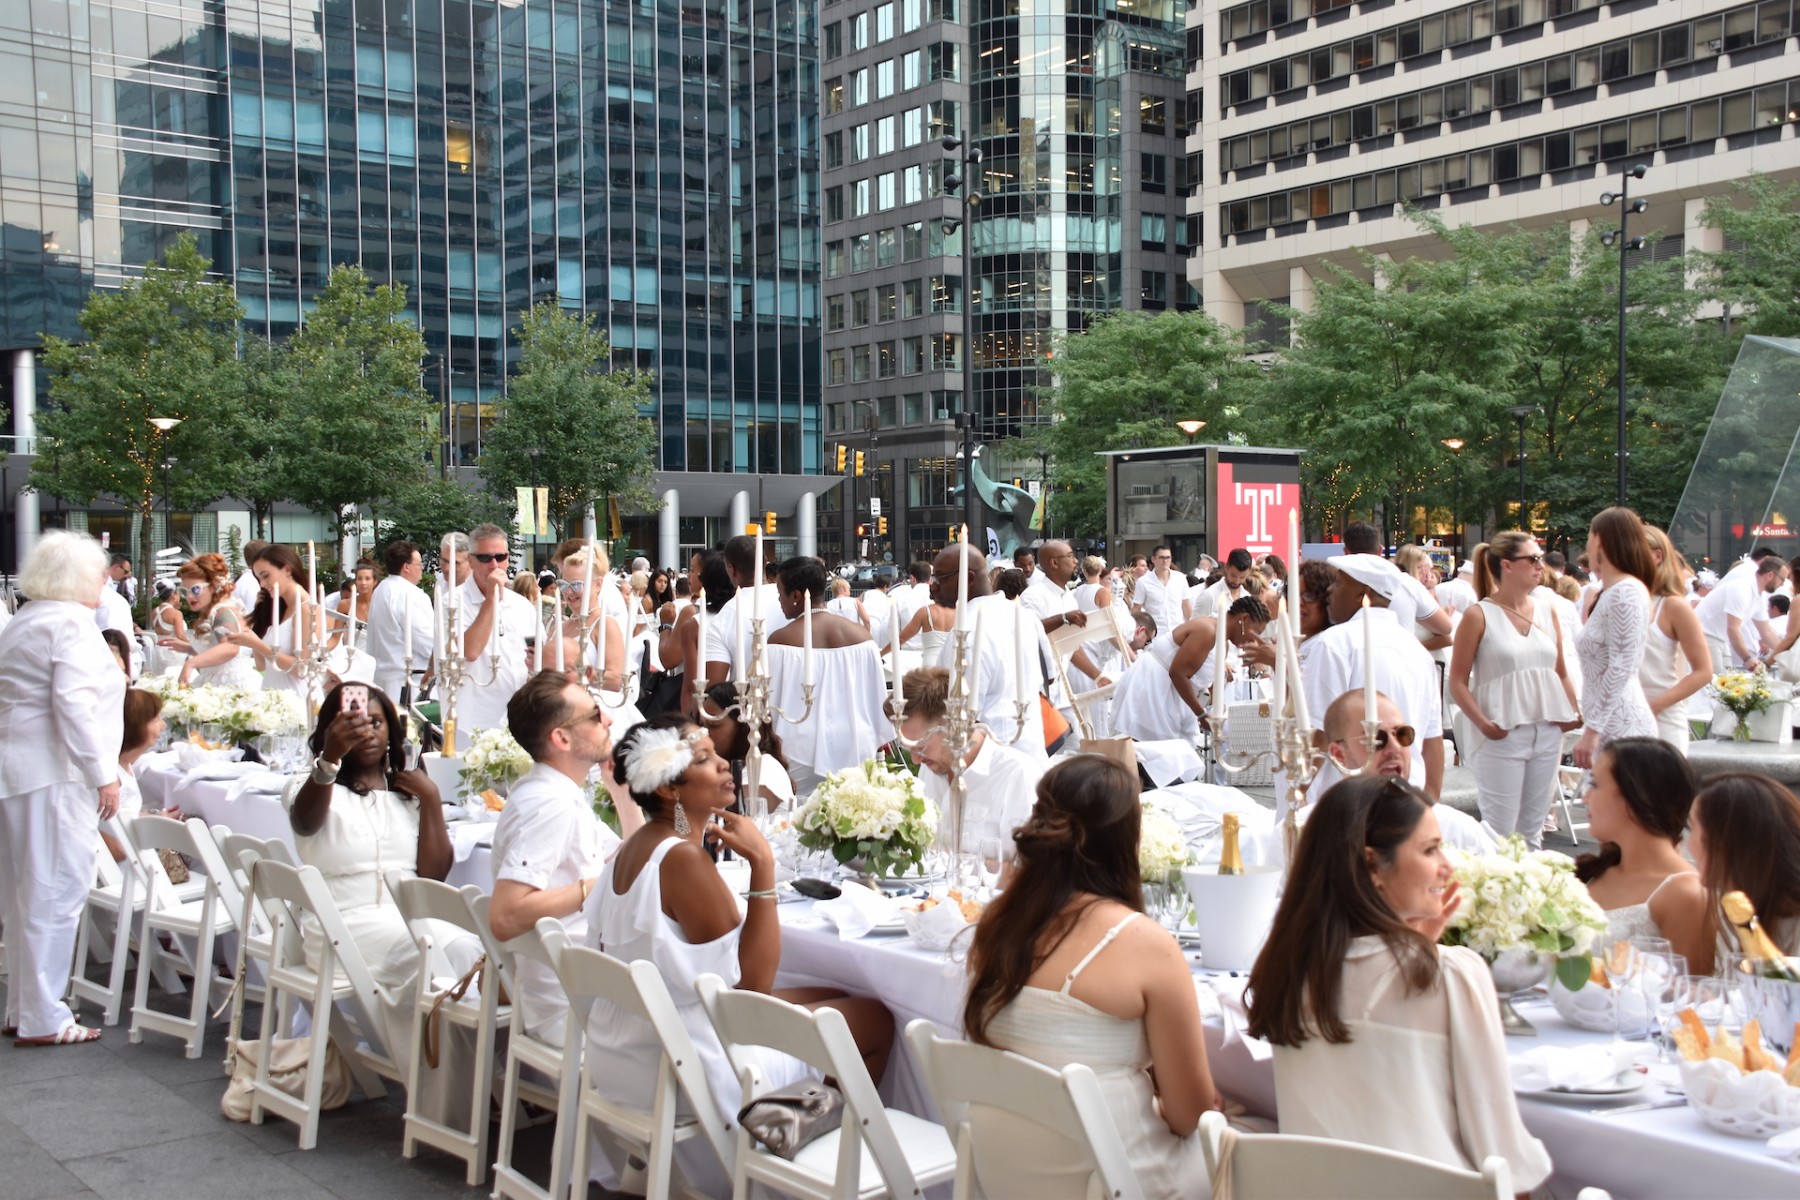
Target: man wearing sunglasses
(494, 621)
(1347, 750)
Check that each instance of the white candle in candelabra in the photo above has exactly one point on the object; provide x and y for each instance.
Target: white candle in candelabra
(697, 669)
(806, 645)
(1293, 562)
(406, 643)
(974, 669)
(1369, 705)
(318, 598)
(452, 607)
(1301, 714)
(899, 692)
(962, 576)
(1218, 679)
(602, 630)
(561, 627)
(756, 583)
(312, 568)
(274, 620)
(1281, 664)
(1019, 635)
(537, 656)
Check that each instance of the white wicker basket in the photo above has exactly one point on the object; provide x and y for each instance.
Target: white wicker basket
(1753, 1104)
(1591, 1008)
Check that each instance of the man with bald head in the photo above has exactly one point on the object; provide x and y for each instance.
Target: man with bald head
(1003, 626)
(1347, 749)
(1048, 597)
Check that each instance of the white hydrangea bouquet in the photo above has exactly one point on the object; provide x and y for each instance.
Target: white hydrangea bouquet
(187, 709)
(493, 760)
(1161, 852)
(281, 714)
(875, 812)
(1527, 900)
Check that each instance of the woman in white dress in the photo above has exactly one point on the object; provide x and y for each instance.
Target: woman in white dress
(661, 899)
(1075, 902)
(847, 724)
(215, 655)
(1382, 1036)
(1638, 800)
(168, 633)
(1509, 678)
(285, 621)
(1163, 694)
(1611, 642)
(1744, 836)
(606, 617)
(931, 624)
(1677, 660)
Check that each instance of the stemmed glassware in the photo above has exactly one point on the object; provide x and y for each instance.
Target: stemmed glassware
(1662, 980)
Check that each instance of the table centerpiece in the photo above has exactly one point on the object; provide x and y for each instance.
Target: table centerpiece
(873, 816)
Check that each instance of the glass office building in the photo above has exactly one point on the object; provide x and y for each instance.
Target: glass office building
(652, 163)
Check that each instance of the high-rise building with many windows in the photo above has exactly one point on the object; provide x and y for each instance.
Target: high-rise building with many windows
(1077, 109)
(654, 164)
(1322, 118)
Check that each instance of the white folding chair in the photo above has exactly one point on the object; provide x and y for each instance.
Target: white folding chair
(1279, 1166)
(1066, 1105)
(1568, 795)
(422, 901)
(877, 1152)
(108, 931)
(346, 1013)
(200, 922)
(590, 977)
(561, 1065)
(239, 851)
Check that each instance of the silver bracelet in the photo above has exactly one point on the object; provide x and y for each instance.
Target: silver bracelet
(324, 772)
(764, 894)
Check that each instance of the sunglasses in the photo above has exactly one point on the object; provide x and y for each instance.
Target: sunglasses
(194, 589)
(1402, 734)
(1530, 558)
(491, 558)
(592, 716)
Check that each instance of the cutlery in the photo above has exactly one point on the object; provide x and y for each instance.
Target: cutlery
(1674, 1102)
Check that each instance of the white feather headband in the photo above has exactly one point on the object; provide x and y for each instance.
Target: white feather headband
(658, 757)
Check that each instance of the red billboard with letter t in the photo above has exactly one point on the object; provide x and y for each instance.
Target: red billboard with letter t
(1253, 497)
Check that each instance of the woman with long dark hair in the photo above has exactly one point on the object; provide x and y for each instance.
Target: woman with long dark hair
(1744, 835)
(1382, 1036)
(282, 621)
(1638, 800)
(1612, 639)
(1076, 892)
(713, 589)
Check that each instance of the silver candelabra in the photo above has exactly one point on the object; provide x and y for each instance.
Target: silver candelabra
(754, 708)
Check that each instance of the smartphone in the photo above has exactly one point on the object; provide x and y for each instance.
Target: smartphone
(411, 751)
(355, 698)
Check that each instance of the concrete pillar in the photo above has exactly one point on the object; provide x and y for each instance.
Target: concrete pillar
(668, 530)
(806, 524)
(740, 513)
(25, 513)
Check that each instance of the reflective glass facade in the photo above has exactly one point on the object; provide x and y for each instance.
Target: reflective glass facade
(653, 163)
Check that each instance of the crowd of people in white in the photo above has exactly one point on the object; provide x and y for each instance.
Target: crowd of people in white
(626, 681)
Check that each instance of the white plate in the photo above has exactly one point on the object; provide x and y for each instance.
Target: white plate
(1630, 1087)
(895, 924)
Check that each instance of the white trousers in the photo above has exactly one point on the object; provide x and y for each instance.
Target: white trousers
(47, 844)
(1514, 776)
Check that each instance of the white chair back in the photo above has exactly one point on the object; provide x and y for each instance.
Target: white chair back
(199, 923)
(1275, 1166)
(1066, 1104)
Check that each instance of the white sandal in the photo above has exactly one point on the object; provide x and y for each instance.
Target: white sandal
(72, 1034)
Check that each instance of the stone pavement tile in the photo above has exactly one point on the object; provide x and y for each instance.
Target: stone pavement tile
(359, 1156)
(113, 1108)
(52, 1062)
(29, 1171)
(214, 1164)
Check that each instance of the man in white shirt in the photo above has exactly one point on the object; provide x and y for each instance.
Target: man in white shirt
(1048, 597)
(1735, 615)
(909, 598)
(549, 847)
(1401, 667)
(1228, 589)
(1162, 592)
(400, 620)
(879, 605)
(1458, 594)
(247, 591)
(1346, 745)
(115, 613)
(493, 622)
(995, 656)
(1413, 603)
(1001, 781)
(118, 574)
(722, 655)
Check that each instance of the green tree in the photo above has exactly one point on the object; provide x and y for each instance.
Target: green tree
(425, 510)
(570, 423)
(161, 347)
(257, 430)
(1123, 384)
(360, 428)
(1758, 274)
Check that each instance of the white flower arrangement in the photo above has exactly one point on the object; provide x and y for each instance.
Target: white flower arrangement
(493, 760)
(241, 714)
(1743, 694)
(1522, 899)
(875, 812)
(1161, 851)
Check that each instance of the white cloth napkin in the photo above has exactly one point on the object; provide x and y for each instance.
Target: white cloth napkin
(190, 757)
(257, 782)
(1168, 762)
(1221, 998)
(858, 910)
(1571, 1068)
(465, 836)
(223, 770)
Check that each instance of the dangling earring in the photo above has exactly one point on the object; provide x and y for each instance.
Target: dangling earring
(682, 828)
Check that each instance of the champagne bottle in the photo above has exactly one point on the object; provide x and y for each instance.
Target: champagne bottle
(1231, 861)
(1761, 955)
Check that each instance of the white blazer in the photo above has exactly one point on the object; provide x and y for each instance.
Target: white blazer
(62, 700)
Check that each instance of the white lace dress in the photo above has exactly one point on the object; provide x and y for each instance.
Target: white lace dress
(1056, 1029)
(238, 671)
(1611, 645)
(1144, 703)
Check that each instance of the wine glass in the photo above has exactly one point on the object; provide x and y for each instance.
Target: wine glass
(1664, 995)
(993, 861)
(1621, 964)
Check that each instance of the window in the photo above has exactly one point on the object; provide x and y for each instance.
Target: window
(834, 259)
(912, 126)
(1155, 289)
(912, 15)
(946, 293)
(834, 367)
(941, 60)
(913, 241)
(859, 88)
(884, 248)
(884, 135)
(859, 31)
(834, 204)
(834, 40)
(884, 191)
(859, 198)
(912, 298)
(1153, 173)
(834, 150)
(859, 143)
(1153, 231)
(941, 10)
(912, 69)
(884, 79)
(859, 364)
(944, 352)
(887, 305)
(884, 23)
(861, 251)
(914, 405)
(1152, 114)
(859, 308)
(912, 187)
(834, 95)
(887, 363)
(834, 313)
(913, 356)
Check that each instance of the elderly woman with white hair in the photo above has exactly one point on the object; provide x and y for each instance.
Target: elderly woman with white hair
(62, 717)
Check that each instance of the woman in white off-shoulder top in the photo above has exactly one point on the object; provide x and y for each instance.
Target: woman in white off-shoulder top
(1382, 1036)
(1509, 648)
(1611, 643)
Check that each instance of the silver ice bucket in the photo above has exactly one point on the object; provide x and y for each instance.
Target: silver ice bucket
(1774, 1003)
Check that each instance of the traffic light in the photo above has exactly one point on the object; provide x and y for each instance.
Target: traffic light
(843, 452)
(769, 523)
(881, 526)
(862, 531)
(953, 533)
(859, 462)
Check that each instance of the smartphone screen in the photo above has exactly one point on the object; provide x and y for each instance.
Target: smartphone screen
(356, 698)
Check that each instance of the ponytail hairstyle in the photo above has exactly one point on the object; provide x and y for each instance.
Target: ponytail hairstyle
(1081, 837)
(1673, 572)
(1490, 559)
(1657, 785)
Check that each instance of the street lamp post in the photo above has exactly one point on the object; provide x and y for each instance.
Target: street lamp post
(971, 159)
(1191, 427)
(1626, 244)
(1455, 445)
(1522, 413)
(164, 426)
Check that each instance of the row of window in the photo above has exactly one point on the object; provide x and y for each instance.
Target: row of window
(872, 28)
(928, 64)
(859, 143)
(885, 247)
(901, 356)
(1396, 43)
(1243, 20)
(912, 408)
(1691, 41)
(893, 302)
(1702, 121)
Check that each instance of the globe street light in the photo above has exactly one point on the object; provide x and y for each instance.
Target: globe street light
(1455, 445)
(1190, 427)
(1626, 243)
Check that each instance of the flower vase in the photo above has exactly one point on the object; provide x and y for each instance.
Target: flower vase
(1515, 971)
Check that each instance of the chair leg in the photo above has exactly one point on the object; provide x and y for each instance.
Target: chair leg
(149, 954)
(201, 1006)
(265, 1031)
(121, 955)
(576, 1122)
(479, 1094)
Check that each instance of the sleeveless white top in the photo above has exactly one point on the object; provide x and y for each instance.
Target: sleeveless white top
(931, 638)
(1056, 1029)
(1663, 664)
(1515, 674)
(1634, 920)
